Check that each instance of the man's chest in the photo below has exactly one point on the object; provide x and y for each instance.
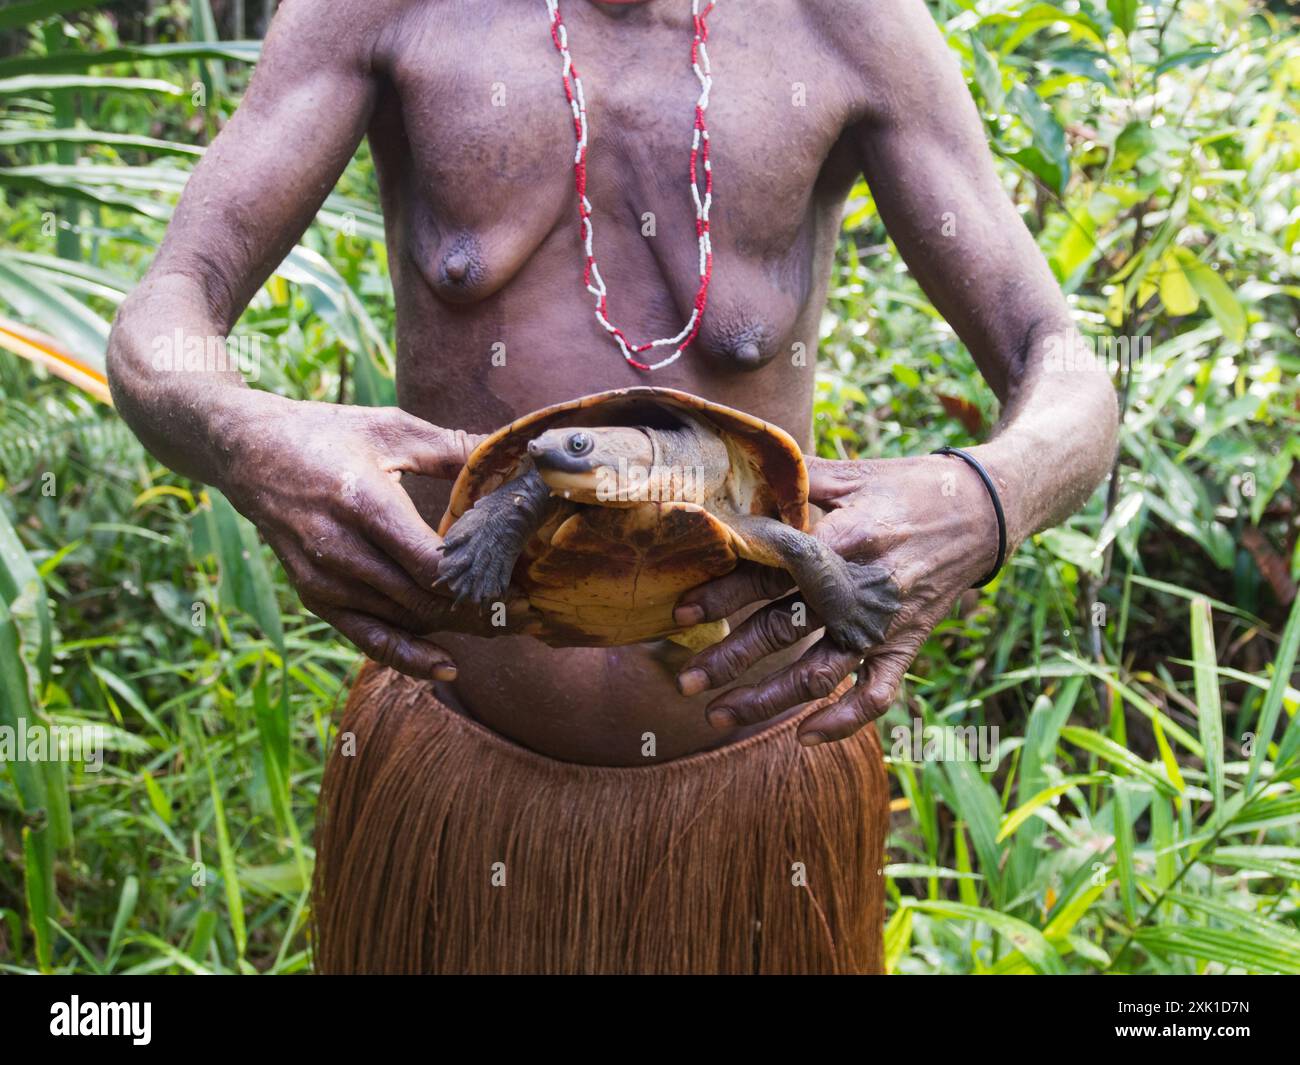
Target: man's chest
(487, 125)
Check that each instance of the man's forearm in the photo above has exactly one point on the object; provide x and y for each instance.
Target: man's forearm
(1057, 437)
(187, 415)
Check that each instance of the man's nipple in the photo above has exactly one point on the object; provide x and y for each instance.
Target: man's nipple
(456, 267)
(749, 356)
(749, 347)
(739, 337)
(459, 273)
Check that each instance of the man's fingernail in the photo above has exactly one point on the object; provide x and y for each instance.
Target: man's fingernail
(721, 718)
(811, 739)
(692, 681)
(688, 614)
(445, 673)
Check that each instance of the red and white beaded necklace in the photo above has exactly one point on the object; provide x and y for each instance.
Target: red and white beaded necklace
(699, 160)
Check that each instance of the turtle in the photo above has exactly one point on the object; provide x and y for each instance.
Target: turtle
(603, 510)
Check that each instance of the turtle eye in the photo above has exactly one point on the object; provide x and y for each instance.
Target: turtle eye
(579, 443)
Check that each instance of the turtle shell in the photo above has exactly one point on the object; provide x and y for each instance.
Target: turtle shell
(604, 576)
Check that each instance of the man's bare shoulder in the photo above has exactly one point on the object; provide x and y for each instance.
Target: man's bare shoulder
(868, 26)
(893, 46)
(332, 31)
(343, 14)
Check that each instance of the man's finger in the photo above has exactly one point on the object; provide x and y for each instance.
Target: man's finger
(392, 522)
(830, 480)
(764, 632)
(364, 561)
(390, 646)
(322, 589)
(814, 676)
(747, 583)
(421, 447)
(879, 679)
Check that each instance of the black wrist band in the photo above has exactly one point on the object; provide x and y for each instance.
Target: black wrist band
(975, 465)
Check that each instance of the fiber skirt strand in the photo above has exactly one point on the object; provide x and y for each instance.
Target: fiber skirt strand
(445, 848)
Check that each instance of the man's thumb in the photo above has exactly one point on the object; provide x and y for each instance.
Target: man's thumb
(830, 480)
(432, 450)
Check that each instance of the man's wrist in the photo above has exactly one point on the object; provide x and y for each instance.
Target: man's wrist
(1002, 470)
(235, 423)
(994, 502)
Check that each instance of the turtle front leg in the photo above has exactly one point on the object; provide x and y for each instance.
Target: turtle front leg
(482, 547)
(856, 601)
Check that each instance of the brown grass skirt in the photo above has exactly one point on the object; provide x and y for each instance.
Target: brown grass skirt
(444, 848)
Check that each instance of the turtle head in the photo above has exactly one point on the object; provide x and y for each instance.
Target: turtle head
(590, 465)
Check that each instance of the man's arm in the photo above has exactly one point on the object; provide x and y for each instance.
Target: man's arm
(926, 520)
(931, 172)
(248, 201)
(320, 481)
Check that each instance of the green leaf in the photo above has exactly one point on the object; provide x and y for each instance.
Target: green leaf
(38, 881)
(126, 904)
(1125, 511)
(1245, 920)
(174, 51)
(229, 867)
(204, 27)
(1192, 57)
(205, 926)
(157, 800)
(93, 136)
(1124, 846)
(1023, 937)
(1167, 758)
(1022, 813)
(905, 375)
(977, 804)
(25, 84)
(1085, 62)
(53, 311)
(1124, 14)
(18, 715)
(1046, 718)
(1281, 862)
(1209, 712)
(1135, 141)
(898, 934)
(1272, 708)
(1058, 929)
(245, 581)
(1176, 291)
(1144, 706)
(987, 75)
(1048, 137)
(17, 15)
(23, 592)
(1106, 748)
(1074, 547)
(901, 870)
(1218, 295)
(1235, 949)
(966, 875)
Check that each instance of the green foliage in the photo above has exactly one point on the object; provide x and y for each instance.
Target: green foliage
(1141, 814)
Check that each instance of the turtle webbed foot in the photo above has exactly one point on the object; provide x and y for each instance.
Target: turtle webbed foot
(858, 604)
(476, 565)
(482, 547)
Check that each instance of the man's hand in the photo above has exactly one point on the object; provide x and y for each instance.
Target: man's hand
(322, 484)
(927, 521)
